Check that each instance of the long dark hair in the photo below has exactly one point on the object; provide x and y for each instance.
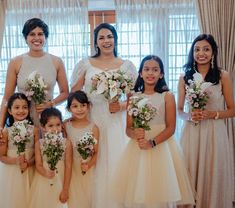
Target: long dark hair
(114, 32)
(15, 96)
(161, 85)
(214, 73)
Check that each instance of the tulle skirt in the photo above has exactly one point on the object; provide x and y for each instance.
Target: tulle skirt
(152, 178)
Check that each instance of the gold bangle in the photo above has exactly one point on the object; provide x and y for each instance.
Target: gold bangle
(217, 115)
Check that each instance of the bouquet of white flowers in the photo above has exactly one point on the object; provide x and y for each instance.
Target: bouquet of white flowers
(197, 94)
(85, 147)
(53, 147)
(141, 111)
(21, 135)
(112, 84)
(36, 88)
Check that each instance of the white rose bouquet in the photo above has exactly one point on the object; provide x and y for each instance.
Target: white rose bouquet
(21, 135)
(112, 84)
(85, 147)
(36, 88)
(141, 111)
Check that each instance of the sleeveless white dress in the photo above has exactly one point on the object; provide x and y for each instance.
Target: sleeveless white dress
(112, 131)
(45, 67)
(81, 186)
(154, 178)
(45, 192)
(209, 157)
(15, 186)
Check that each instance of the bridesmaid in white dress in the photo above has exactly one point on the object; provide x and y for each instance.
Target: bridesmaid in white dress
(206, 145)
(109, 117)
(51, 67)
(16, 171)
(151, 172)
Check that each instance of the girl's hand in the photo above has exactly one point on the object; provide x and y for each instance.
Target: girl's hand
(21, 159)
(50, 174)
(84, 167)
(114, 107)
(139, 133)
(196, 115)
(208, 114)
(64, 196)
(144, 144)
(2, 141)
(24, 166)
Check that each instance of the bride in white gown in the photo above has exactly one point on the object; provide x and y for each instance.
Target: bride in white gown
(111, 125)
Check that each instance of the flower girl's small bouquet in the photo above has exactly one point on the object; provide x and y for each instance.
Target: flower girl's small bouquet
(36, 88)
(141, 111)
(21, 132)
(197, 94)
(112, 84)
(53, 148)
(85, 147)
(21, 135)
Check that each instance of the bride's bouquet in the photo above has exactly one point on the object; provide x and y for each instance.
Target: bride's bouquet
(112, 84)
(36, 88)
(141, 111)
(85, 147)
(53, 147)
(21, 133)
(197, 94)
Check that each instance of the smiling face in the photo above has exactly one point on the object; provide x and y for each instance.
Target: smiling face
(105, 41)
(36, 39)
(19, 110)
(79, 110)
(202, 52)
(151, 72)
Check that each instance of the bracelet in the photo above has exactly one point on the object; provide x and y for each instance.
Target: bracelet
(153, 143)
(217, 115)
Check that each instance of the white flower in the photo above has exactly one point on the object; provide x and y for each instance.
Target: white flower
(32, 76)
(142, 102)
(197, 78)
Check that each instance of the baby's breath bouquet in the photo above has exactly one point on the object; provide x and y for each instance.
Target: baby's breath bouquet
(85, 147)
(141, 111)
(112, 84)
(197, 94)
(21, 132)
(36, 88)
(53, 147)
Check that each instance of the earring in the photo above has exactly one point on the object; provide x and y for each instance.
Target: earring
(194, 66)
(212, 62)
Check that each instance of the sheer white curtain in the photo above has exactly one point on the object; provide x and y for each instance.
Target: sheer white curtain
(165, 28)
(2, 21)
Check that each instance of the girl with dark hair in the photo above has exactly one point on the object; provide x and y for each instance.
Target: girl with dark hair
(50, 188)
(108, 116)
(78, 126)
(206, 144)
(50, 67)
(17, 153)
(152, 154)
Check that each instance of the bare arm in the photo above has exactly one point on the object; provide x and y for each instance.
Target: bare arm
(181, 100)
(79, 84)
(64, 195)
(10, 85)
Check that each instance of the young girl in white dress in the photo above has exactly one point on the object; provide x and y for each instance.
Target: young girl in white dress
(17, 169)
(82, 185)
(151, 172)
(51, 188)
